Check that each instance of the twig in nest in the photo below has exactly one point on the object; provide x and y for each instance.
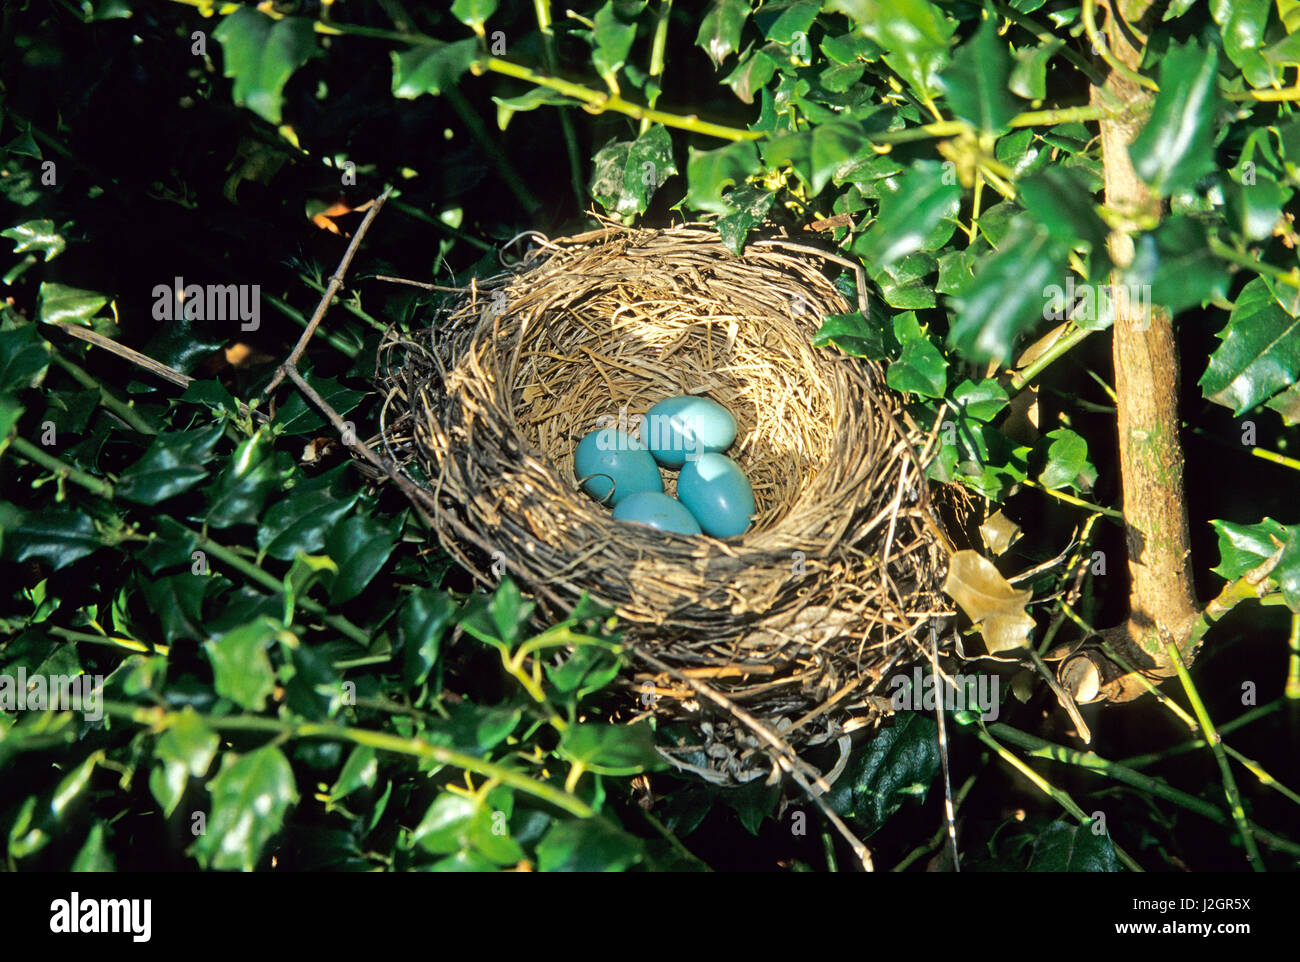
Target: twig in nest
(426, 286)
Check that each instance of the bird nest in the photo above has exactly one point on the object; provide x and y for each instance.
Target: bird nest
(766, 643)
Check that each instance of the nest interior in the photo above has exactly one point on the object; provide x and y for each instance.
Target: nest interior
(794, 624)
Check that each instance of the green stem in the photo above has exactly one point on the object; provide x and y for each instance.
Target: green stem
(333, 338)
(123, 409)
(1255, 452)
(31, 452)
(350, 308)
(426, 218)
(1293, 669)
(1077, 502)
(1061, 797)
(1221, 759)
(1150, 758)
(1220, 249)
(1059, 348)
(158, 720)
(657, 46)
(1039, 748)
(270, 582)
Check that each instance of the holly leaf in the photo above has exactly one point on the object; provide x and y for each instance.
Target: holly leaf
(927, 200)
(36, 235)
(977, 84)
(429, 69)
(748, 206)
(250, 796)
(920, 368)
(60, 304)
(1063, 847)
(1008, 294)
(1244, 547)
(719, 32)
(1175, 148)
(1259, 353)
(261, 54)
(709, 172)
(24, 356)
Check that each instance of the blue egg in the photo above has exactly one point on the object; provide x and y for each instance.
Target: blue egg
(716, 491)
(679, 429)
(612, 460)
(658, 511)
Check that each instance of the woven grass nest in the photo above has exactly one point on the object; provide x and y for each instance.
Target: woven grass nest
(783, 635)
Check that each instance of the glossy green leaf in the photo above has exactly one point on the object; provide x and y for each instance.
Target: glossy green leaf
(250, 796)
(174, 462)
(613, 40)
(927, 199)
(24, 356)
(862, 337)
(789, 22)
(611, 749)
(1009, 293)
(178, 602)
(359, 771)
(359, 546)
(920, 368)
(719, 33)
(587, 845)
(1058, 199)
(241, 669)
(1175, 147)
(1173, 266)
(1244, 547)
(94, 855)
(261, 54)
(422, 622)
(1067, 460)
(1259, 354)
(184, 750)
(60, 304)
(473, 13)
(901, 761)
(709, 172)
(473, 729)
(297, 416)
(36, 235)
(56, 536)
(1065, 847)
(1242, 26)
(1029, 75)
(914, 33)
(751, 75)
(977, 85)
(428, 69)
(1254, 209)
(300, 521)
(254, 470)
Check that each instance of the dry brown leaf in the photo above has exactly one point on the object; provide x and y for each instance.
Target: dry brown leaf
(989, 601)
(999, 533)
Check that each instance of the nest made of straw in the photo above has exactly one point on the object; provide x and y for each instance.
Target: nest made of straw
(791, 626)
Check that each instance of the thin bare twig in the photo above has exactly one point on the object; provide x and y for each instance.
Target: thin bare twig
(336, 281)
